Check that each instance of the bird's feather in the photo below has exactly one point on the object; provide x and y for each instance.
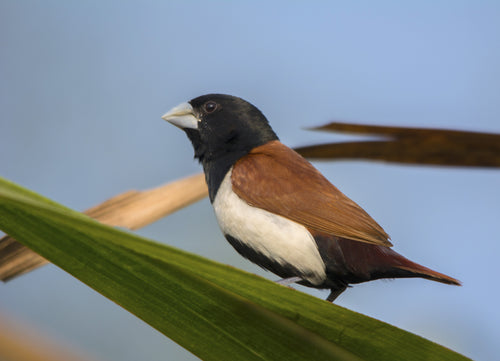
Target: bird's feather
(355, 262)
(276, 178)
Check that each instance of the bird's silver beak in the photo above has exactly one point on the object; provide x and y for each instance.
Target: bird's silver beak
(182, 116)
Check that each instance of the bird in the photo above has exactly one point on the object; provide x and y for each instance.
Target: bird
(277, 210)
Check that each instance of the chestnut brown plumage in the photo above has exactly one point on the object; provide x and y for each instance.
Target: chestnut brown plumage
(296, 190)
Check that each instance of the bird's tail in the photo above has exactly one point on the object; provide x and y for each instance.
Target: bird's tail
(355, 262)
(383, 262)
(408, 269)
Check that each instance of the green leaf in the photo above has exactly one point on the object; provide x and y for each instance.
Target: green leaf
(215, 311)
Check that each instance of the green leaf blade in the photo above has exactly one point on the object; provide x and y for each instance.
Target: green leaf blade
(216, 312)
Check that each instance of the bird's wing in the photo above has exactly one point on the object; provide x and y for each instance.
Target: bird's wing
(276, 178)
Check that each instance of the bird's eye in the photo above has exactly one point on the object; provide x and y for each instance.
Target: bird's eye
(210, 106)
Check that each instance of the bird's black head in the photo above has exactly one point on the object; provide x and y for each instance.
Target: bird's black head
(222, 128)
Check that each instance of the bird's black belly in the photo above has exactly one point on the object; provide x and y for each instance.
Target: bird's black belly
(282, 270)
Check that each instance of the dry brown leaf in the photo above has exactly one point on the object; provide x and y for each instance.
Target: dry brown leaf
(411, 146)
(132, 210)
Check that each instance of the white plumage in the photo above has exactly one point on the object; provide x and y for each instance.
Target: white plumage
(271, 235)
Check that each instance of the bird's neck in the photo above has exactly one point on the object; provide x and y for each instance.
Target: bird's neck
(218, 155)
(216, 169)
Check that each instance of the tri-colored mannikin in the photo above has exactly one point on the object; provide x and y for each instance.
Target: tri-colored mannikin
(277, 210)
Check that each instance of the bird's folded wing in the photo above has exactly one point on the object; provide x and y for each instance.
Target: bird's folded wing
(276, 178)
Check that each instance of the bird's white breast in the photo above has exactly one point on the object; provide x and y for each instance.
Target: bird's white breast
(271, 235)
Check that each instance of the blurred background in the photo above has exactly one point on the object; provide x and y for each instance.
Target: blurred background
(83, 86)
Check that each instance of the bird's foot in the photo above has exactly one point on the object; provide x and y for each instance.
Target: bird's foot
(335, 292)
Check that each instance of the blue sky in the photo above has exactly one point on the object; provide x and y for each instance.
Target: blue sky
(83, 86)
